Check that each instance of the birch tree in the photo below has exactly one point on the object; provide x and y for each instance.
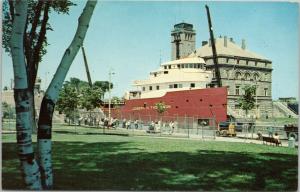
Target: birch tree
(52, 93)
(38, 174)
(29, 166)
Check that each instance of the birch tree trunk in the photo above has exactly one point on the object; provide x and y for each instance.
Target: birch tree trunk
(29, 166)
(51, 96)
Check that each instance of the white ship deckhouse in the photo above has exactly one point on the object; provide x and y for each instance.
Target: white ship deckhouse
(177, 75)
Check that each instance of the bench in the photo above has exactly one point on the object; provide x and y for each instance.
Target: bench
(271, 140)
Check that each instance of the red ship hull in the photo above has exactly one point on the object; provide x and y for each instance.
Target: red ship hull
(206, 103)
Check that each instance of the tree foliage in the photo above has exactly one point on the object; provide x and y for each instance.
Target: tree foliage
(8, 111)
(91, 98)
(78, 94)
(247, 100)
(68, 101)
(160, 107)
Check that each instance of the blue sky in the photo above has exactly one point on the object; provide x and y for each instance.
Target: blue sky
(132, 37)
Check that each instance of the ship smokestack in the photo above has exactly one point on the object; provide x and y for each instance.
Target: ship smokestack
(243, 44)
(225, 41)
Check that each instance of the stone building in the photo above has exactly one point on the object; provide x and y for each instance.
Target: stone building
(238, 67)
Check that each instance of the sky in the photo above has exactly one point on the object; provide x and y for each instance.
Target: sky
(132, 37)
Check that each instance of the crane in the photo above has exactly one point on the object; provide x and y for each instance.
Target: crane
(217, 79)
(86, 67)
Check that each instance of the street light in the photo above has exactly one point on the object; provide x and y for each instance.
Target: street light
(110, 73)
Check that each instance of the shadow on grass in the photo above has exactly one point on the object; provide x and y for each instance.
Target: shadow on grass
(118, 166)
(89, 133)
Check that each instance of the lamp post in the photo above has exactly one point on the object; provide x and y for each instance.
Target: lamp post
(256, 106)
(110, 73)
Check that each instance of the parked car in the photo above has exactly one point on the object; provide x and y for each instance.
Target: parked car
(226, 129)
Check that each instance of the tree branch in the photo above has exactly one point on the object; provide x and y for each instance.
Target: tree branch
(37, 49)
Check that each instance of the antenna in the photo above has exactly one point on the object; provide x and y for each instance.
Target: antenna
(159, 56)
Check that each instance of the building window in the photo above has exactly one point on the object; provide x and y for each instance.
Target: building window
(190, 65)
(186, 65)
(178, 66)
(157, 87)
(237, 106)
(266, 64)
(266, 76)
(150, 88)
(175, 86)
(144, 88)
(238, 75)
(171, 86)
(256, 77)
(247, 76)
(192, 85)
(227, 60)
(227, 74)
(237, 61)
(247, 62)
(182, 66)
(155, 74)
(237, 90)
(195, 65)
(266, 91)
(255, 63)
(179, 85)
(165, 67)
(169, 66)
(166, 72)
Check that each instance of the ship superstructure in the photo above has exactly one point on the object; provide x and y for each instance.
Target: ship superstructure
(177, 75)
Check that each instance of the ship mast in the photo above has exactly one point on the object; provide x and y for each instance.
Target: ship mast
(217, 79)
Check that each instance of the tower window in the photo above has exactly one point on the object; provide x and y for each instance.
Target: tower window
(192, 85)
(237, 90)
(266, 91)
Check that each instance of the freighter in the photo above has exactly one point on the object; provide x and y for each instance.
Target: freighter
(182, 86)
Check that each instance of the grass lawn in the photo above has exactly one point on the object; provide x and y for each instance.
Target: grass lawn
(108, 162)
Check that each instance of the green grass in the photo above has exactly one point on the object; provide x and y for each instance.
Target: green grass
(108, 162)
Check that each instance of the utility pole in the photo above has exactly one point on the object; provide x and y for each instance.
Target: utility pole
(110, 73)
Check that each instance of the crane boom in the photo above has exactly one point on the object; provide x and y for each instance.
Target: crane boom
(217, 79)
(86, 67)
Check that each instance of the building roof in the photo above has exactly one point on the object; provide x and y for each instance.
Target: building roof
(231, 49)
(185, 60)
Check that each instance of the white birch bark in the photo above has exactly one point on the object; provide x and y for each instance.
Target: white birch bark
(29, 167)
(51, 96)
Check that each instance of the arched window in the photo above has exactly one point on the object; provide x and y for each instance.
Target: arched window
(238, 75)
(256, 77)
(247, 76)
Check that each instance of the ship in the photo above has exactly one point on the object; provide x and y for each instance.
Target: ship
(182, 86)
